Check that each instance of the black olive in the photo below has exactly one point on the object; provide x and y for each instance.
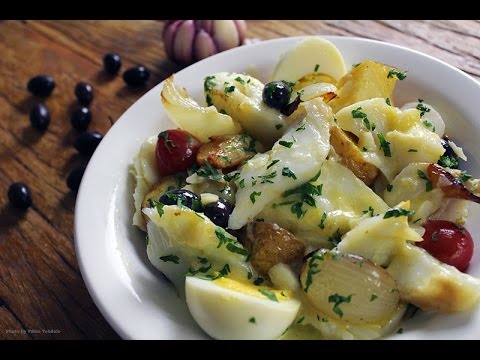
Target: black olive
(449, 159)
(219, 212)
(112, 63)
(84, 93)
(20, 196)
(40, 116)
(87, 142)
(276, 94)
(41, 85)
(136, 76)
(183, 197)
(75, 177)
(81, 118)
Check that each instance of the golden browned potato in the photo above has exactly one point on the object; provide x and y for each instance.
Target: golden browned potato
(157, 190)
(365, 81)
(351, 156)
(227, 151)
(269, 244)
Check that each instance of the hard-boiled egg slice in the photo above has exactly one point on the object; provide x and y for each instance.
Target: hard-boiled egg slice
(228, 309)
(312, 55)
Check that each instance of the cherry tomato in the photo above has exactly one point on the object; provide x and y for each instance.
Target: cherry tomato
(176, 151)
(448, 242)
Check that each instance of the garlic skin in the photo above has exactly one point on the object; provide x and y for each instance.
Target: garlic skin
(187, 41)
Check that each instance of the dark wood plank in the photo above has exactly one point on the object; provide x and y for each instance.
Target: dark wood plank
(40, 284)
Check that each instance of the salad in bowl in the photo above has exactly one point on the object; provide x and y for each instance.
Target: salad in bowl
(311, 206)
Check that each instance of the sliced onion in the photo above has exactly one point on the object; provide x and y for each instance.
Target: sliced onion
(349, 288)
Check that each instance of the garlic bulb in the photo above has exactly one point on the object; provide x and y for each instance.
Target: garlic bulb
(187, 41)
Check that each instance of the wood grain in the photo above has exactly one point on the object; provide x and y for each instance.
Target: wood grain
(41, 288)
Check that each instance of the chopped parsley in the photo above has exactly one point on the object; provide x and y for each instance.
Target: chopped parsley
(367, 124)
(158, 205)
(307, 192)
(412, 150)
(299, 321)
(398, 212)
(338, 300)
(364, 149)
(387, 100)
(373, 297)
(252, 320)
(269, 294)
(464, 177)
(254, 181)
(170, 258)
(357, 114)
(242, 183)
(370, 211)
(249, 275)
(428, 184)
(301, 127)
(240, 80)
(169, 144)
(230, 244)
(384, 145)
(336, 238)
(400, 75)
(267, 178)
(250, 145)
(272, 163)
(322, 221)
(287, 144)
(423, 109)
(428, 125)
(209, 171)
(278, 126)
(400, 331)
(416, 221)
(355, 65)
(226, 158)
(389, 187)
(448, 161)
(233, 177)
(289, 173)
(229, 89)
(209, 84)
(316, 67)
(253, 195)
(312, 270)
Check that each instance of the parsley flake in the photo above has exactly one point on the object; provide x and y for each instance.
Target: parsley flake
(289, 173)
(269, 294)
(287, 144)
(170, 258)
(400, 75)
(384, 145)
(338, 300)
(398, 212)
(253, 195)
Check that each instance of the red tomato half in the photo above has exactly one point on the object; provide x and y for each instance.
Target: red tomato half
(448, 242)
(176, 151)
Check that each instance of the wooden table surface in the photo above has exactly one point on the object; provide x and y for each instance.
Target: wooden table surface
(42, 294)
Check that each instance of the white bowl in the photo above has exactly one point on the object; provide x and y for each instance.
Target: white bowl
(133, 296)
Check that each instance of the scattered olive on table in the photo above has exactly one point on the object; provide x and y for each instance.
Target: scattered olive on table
(84, 93)
(87, 142)
(81, 118)
(20, 196)
(41, 85)
(136, 76)
(276, 94)
(75, 177)
(112, 63)
(219, 212)
(40, 116)
(184, 197)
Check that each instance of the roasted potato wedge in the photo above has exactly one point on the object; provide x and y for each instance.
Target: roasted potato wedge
(227, 151)
(367, 80)
(269, 244)
(351, 156)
